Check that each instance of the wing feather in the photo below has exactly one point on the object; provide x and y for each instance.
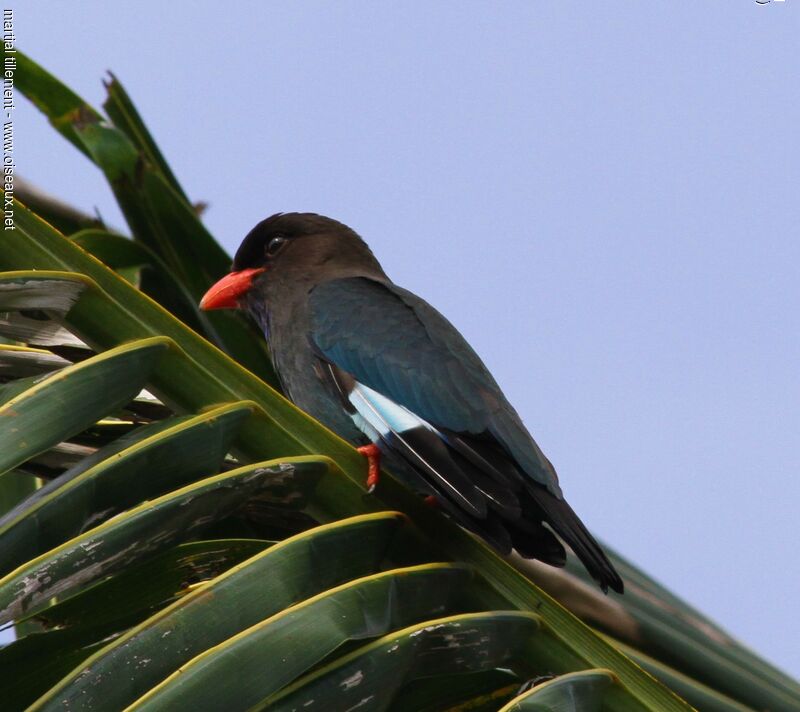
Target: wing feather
(415, 384)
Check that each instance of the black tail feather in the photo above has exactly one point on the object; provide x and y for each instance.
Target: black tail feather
(561, 517)
(497, 501)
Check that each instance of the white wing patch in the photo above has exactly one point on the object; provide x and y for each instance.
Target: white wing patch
(378, 417)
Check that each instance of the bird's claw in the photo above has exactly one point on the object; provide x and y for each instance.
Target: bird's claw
(373, 454)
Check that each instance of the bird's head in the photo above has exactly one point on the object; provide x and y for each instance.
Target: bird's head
(291, 248)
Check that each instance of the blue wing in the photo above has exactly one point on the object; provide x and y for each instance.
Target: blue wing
(414, 385)
(398, 345)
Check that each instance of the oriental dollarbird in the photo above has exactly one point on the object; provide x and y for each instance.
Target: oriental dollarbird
(383, 369)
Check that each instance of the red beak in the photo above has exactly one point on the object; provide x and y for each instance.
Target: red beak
(226, 293)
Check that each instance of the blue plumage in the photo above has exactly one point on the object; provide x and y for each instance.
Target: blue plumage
(397, 344)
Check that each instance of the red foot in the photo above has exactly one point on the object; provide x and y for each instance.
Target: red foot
(432, 502)
(373, 455)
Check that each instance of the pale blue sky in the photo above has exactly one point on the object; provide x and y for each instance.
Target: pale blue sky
(602, 197)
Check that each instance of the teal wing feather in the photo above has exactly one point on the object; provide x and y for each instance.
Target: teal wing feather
(397, 344)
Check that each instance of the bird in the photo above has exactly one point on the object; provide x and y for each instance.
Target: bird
(387, 372)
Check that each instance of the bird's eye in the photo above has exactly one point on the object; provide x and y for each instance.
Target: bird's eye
(274, 245)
